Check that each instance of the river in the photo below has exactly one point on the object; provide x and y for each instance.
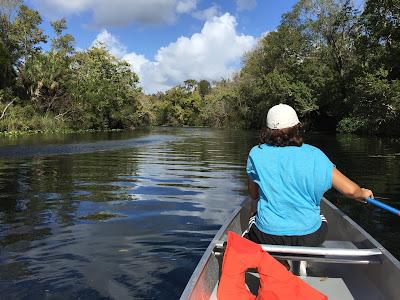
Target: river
(127, 215)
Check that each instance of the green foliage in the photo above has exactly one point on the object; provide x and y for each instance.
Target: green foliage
(331, 28)
(381, 38)
(333, 63)
(223, 108)
(328, 60)
(178, 106)
(280, 70)
(104, 90)
(376, 105)
(19, 38)
(204, 88)
(6, 70)
(61, 88)
(26, 118)
(351, 124)
(62, 43)
(190, 85)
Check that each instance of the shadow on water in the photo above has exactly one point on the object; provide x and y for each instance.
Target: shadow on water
(128, 214)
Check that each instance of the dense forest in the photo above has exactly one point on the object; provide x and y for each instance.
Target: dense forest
(337, 65)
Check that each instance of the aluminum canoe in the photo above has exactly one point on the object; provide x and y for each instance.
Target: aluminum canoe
(351, 264)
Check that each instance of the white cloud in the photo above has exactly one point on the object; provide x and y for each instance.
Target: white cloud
(116, 48)
(136, 61)
(207, 14)
(111, 42)
(186, 6)
(211, 54)
(120, 12)
(62, 7)
(245, 4)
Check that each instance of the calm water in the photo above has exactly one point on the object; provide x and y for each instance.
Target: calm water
(128, 215)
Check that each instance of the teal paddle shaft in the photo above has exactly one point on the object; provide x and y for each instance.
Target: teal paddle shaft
(384, 206)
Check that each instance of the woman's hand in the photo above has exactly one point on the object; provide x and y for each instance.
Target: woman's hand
(364, 195)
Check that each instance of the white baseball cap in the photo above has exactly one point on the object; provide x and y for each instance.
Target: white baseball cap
(281, 116)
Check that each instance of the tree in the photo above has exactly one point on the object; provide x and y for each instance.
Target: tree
(376, 94)
(104, 89)
(63, 43)
(204, 88)
(190, 85)
(19, 38)
(332, 27)
(46, 75)
(7, 73)
(381, 36)
(281, 69)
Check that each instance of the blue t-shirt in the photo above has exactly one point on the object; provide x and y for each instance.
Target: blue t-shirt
(291, 181)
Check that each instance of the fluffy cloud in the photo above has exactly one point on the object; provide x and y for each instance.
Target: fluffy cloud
(62, 7)
(245, 4)
(111, 42)
(119, 50)
(120, 12)
(186, 6)
(207, 14)
(211, 54)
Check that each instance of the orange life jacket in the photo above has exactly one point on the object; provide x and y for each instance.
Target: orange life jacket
(276, 283)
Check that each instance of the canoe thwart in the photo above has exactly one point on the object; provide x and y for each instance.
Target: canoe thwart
(356, 260)
(346, 252)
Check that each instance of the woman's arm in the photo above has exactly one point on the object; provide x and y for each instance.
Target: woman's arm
(253, 192)
(253, 188)
(349, 188)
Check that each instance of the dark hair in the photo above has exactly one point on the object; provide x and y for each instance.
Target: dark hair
(291, 136)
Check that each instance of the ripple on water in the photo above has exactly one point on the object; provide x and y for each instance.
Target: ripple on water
(130, 217)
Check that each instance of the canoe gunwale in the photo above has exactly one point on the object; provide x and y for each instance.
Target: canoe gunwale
(208, 253)
(364, 233)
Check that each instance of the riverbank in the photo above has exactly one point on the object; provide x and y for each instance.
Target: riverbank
(19, 133)
(61, 131)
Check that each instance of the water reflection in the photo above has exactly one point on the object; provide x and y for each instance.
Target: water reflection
(126, 223)
(129, 214)
(373, 163)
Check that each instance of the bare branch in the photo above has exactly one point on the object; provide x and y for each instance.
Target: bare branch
(5, 109)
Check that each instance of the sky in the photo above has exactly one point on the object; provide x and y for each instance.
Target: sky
(169, 41)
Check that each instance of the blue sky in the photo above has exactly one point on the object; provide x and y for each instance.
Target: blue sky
(168, 41)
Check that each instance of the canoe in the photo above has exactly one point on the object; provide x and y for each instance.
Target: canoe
(350, 264)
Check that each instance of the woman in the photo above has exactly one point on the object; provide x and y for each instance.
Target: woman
(289, 179)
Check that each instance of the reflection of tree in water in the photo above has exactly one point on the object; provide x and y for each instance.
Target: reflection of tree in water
(21, 216)
(217, 150)
(71, 215)
(373, 163)
(40, 196)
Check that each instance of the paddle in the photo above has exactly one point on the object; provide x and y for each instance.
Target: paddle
(384, 206)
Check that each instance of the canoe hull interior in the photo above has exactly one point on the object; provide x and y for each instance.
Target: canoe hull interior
(379, 279)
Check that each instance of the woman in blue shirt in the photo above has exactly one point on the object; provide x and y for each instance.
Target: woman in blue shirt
(289, 178)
